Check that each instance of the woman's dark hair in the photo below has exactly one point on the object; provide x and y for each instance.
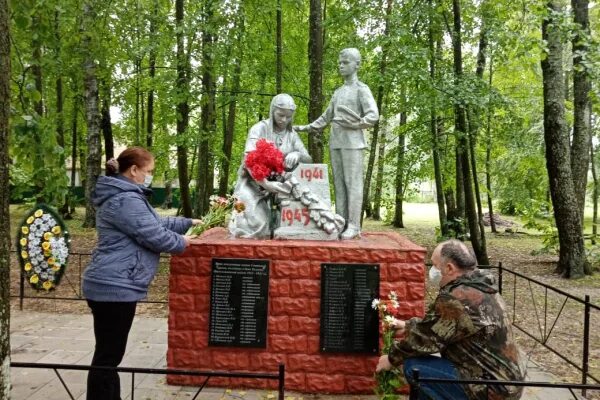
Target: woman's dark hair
(128, 157)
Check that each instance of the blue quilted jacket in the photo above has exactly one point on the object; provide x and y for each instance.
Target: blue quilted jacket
(131, 236)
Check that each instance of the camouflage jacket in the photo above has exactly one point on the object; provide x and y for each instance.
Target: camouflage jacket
(468, 325)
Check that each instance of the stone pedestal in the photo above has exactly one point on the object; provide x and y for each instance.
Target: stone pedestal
(294, 306)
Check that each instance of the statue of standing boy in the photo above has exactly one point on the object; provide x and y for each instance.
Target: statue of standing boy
(351, 109)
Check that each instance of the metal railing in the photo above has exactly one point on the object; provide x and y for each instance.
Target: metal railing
(417, 380)
(69, 290)
(280, 375)
(557, 314)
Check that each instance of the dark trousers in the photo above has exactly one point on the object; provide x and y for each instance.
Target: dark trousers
(112, 322)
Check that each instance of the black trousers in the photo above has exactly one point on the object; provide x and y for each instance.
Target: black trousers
(112, 322)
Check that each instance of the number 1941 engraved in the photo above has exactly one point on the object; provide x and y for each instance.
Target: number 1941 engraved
(311, 173)
(290, 215)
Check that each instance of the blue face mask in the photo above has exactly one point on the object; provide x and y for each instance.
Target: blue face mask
(148, 180)
(435, 275)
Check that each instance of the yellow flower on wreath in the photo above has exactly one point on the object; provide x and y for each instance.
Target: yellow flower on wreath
(55, 267)
(27, 267)
(34, 279)
(38, 213)
(51, 261)
(24, 254)
(47, 235)
(30, 220)
(24, 230)
(47, 285)
(46, 245)
(56, 230)
(23, 242)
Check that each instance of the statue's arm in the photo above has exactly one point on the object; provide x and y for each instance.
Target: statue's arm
(321, 122)
(369, 108)
(298, 154)
(301, 149)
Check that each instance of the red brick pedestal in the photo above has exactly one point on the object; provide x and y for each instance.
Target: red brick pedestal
(294, 308)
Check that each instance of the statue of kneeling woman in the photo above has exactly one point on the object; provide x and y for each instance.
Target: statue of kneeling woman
(254, 222)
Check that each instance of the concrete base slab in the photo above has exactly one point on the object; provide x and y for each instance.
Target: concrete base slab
(33, 340)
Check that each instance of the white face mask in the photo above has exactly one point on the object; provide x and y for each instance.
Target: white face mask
(148, 180)
(435, 275)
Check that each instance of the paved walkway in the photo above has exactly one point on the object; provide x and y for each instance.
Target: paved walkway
(69, 339)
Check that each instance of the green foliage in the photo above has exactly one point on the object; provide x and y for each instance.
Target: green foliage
(508, 112)
(455, 228)
(541, 221)
(38, 158)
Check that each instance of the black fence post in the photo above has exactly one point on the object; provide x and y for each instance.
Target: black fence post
(414, 387)
(21, 287)
(281, 381)
(586, 342)
(500, 277)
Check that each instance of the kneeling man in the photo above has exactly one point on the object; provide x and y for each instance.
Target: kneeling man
(468, 325)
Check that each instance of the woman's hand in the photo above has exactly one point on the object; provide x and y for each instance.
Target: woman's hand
(188, 239)
(292, 159)
(196, 221)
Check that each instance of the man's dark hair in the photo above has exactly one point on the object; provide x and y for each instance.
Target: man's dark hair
(455, 251)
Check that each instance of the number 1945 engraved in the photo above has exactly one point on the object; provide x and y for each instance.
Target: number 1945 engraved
(290, 215)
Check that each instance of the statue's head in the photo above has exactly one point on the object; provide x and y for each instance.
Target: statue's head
(282, 111)
(349, 61)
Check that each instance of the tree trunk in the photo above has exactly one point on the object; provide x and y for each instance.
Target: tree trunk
(558, 161)
(208, 117)
(168, 203)
(137, 68)
(398, 221)
(477, 239)
(594, 196)
(460, 187)
(278, 50)
(471, 138)
(488, 155)
(106, 125)
(36, 67)
(74, 135)
(60, 121)
(315, 73)
(450, 204)
(581, 142)
(183, 113)
(379, 175)
(473, 114)
(230, 124)
(4, 201)
(435, 147)
(379, 99)
(60, 125)
(152, 74)
(92, 113)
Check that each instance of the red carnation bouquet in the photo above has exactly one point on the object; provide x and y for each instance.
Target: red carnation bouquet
(265, 162)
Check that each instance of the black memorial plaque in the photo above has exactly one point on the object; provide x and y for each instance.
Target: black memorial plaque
(238, 302)
(348, 321)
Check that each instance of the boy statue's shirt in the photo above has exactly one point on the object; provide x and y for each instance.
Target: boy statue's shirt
(352, 108)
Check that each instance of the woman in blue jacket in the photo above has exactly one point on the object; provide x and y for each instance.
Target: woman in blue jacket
(131, 236)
